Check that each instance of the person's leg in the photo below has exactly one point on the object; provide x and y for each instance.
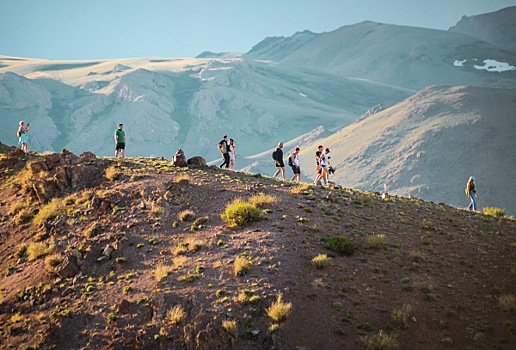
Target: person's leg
(474, 202)
(470, 206)
(116, 152)
(325, 176)
(123, 152)
(226, 157)
(283, 173)
(277, 172)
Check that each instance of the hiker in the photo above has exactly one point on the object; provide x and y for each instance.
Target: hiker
(317, 156)
(232, 154)
(277, 155)
(22, 134)
(120, 141)
(294, 164)
(471, 193)
(324, 163)
(224, 149)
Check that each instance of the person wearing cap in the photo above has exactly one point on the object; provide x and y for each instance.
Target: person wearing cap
(224, 149)
(279, 161)
(324, 164)
(471, 193)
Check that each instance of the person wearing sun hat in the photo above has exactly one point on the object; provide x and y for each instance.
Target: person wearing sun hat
(471, 193)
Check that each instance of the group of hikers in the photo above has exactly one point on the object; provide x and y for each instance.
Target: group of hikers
(227, 149)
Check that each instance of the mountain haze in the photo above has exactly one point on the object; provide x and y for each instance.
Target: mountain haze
(396, 55)
(430, 144)
(496, 27)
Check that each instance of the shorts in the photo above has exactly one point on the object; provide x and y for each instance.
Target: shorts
(318, 169)
(280, 164)
(296, 169)
(120, 146)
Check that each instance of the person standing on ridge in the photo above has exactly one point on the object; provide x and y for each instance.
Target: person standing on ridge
(232, 154)
(120, 140)
(294, 160)
(22, 134)
(471, 193)
(278, 157)
(324, 163)
(317, 156)
(224, 149)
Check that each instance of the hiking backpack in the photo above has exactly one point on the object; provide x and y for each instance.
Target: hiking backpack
(290, 161)
(275, 154)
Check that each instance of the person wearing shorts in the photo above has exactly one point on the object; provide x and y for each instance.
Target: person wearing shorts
(317, 156)
(120, 140)
(279, 161)
(323, 161)
(22, 134)
(295, 165)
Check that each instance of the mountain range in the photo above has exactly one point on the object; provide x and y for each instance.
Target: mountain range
(302, 90)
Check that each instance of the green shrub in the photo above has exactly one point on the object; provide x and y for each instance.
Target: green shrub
(340, 244)
(494, 212)
(240, 213)
(400, 316)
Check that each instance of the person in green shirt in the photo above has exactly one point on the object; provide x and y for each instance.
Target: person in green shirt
(120, 140)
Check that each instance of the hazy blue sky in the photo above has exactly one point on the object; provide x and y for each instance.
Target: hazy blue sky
(96, 29)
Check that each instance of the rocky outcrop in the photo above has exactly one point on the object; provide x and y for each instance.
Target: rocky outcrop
(197, 161)
(68, 267)
(179, 159)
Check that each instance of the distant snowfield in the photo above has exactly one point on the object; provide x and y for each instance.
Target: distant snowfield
(489, 65)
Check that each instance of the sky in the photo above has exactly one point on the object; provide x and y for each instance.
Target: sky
(108, 29)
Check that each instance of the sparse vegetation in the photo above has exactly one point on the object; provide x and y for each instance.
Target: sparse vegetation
(176, 314)
(241, 266)
(162, 271)
(112, 173)
(321, 261)
(185, 215)
(401, 316)
(240, 213)
(507, 302)
(376, 241)
(48, 211)
(263, 200)
(494, 212)
(231, 327)
(279, 310)
(37, 250)
(52, 261)
(340, 244)
(380, 341)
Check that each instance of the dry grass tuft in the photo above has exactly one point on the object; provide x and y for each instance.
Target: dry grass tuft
(37, 250)
(183, 177)
(112, 173)
(48, 211)
(300, 189)
(321, 261)
(416, 256)
(380, 341)
(376, 241)
(230, 327)
(162, 271)
(191, 245)
(156, 211)
(52, 261)
(401, 316)
(279, 310)
(263, 200)
(179, 261)
(242, 266)
(507, 302)
(185, 215)
(176, 314)
(16, 208)
(24, 215)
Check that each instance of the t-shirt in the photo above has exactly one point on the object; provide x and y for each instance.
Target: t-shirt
(120, 136)
(296, 160)
(224, 145)
(279, 155)
(317, 155)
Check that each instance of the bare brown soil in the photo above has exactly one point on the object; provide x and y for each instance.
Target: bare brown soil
(451, 266)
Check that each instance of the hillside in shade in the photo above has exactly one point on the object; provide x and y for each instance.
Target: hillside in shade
(396, 55)
(496, 27)
(428, 146)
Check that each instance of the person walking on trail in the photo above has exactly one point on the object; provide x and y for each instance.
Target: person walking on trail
(224, 149)
(120, 140)
(232, 154)
(294, 164)
(22, 134)
(278, 157)
(472, 194)
(317, 156)
(324, 164)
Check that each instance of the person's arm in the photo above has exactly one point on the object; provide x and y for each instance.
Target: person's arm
(124, 137)
(116, 138)
(219, 146)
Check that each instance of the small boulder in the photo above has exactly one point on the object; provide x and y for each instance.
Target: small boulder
(179, 159)
(37, 167)
(87, 156)
(68, 267)
(197, 161)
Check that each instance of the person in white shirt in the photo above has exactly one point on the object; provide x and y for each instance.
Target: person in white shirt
(232, 154)
(295, 165)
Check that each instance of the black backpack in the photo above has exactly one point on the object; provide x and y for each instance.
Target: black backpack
(275, 154)
(290, 161)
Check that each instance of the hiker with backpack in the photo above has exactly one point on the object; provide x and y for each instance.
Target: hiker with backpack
(293, 162)
(317, 156)
(232, 154)
(471, 193)
(224, 149)
(22, 134)
(277, 155)
(324, 164)
(120, 140)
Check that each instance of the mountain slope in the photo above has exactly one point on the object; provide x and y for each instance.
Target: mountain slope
(403, 56)
(496, 27)
(166, 104)
(430, 144)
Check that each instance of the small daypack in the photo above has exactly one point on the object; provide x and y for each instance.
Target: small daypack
(290, 161)
(275, 155)
(18, 133)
